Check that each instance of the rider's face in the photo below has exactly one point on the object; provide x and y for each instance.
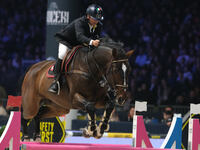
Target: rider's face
(92, 21)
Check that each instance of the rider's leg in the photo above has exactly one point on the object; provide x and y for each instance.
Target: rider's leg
(55, 86)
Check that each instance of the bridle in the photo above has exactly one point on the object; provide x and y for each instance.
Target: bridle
(113, 91)
(125, 85)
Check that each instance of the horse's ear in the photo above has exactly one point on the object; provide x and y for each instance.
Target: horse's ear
(129, 53)
(114, 52)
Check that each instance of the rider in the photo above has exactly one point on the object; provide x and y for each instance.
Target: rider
(82, 31)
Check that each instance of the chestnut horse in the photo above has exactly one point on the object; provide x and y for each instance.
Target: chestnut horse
(95, 79)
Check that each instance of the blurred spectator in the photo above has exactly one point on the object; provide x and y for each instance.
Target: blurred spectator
(3, 94)
(131, 113)
(143, 93)
(3, 113)
(141, 58)
(21, 26)
(163, 92)
(153, 90)
(183, 58)
(128, 102)
(180, 100)
(167, 115)
(3, 97)
(2, 109)
(114, 116)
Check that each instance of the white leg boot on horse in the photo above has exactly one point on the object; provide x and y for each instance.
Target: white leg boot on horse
(91, 129)
(104, 124)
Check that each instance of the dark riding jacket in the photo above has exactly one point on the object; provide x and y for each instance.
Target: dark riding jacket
(78, 33)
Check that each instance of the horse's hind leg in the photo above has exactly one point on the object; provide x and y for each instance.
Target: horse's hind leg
(24, 123)
(37, 118)
(30, 107)
(47, 110)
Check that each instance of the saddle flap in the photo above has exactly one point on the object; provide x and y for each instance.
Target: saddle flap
(65, 63)
(69, 57)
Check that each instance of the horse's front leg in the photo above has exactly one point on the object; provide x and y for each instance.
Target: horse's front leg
(81, 103)
(91, 129)
(104, 124)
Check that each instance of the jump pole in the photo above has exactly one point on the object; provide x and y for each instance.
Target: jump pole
(194, 129)
(140, 137)
(11, 134)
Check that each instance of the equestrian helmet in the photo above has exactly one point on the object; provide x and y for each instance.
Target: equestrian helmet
(95, 11)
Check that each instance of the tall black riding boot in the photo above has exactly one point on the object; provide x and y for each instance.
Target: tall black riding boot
(55, 86)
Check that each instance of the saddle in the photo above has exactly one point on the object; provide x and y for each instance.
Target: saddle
(66, 62)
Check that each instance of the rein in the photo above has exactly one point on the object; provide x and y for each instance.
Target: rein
(120, 60)
(103, 77)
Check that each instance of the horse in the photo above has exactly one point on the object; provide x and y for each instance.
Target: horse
(96, 78)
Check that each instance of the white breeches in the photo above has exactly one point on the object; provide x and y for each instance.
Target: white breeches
(62, 50)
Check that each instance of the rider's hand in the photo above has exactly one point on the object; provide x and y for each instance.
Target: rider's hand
(95, 43)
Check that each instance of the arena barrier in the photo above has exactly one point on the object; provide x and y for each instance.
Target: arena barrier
(11, 135)
(140, 137)
(106, 134)
(62, 146)
(194, 129)
(11, 138)
(172, 140)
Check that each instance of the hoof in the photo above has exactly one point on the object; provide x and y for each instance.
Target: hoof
(97, 134)
(108, 127)
(104, 127)
(86, 133)
(98, 137)
(31, 140)
(26, 138)
(38, 139)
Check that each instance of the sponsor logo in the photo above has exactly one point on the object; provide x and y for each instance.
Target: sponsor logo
(56, 16)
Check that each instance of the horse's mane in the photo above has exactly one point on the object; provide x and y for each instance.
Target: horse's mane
(108, 42)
